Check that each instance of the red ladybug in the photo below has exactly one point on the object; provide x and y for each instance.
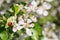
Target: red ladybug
(9, 23)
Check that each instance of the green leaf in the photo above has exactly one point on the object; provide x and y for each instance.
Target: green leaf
(36, 31)
(50, 18)
(35, 35)
(10, 10)
(38, 28)
(28, 38)
(17, 8)
(4, 35)
(43, 20)
(11, 36)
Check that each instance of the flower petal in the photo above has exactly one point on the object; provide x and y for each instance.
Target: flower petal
(31, 25)
(14, 29)
(45, 13)
(19, 27)
(29, 20)
(34, 19)
(46, 5)
(40, 11)
(28, 32)
(21, 22)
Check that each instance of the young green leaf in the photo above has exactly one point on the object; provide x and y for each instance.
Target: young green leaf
(17, 8)
(4, 35)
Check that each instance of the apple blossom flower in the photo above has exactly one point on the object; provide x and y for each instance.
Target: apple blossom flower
(2, 12)
(26, 24)
(34, 3)
(8, 1)
(41, 11)
(32, 6)
(33, 18)
(45, 13)
(44, 33)
(28, 32)
(29, 20)
(14, 29)
(21, 22)
(19, 27)
(46, 6)
(47, 32)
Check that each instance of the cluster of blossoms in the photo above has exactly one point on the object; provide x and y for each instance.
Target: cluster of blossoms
(48, 31)
(41, 10)
(24, 21)
(28, 17)
(31, 19)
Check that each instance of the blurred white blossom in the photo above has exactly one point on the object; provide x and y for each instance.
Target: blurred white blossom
(2, 12)
(8, 1)
(32, 6)
(42, 11)
(46, 6)
(48, 32)
(14, 29)
(33, 18)
(45, 13)
(28, 32)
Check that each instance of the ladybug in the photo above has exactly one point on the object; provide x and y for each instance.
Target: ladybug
(9, 23)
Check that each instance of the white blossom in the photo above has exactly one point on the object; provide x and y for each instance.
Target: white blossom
(8, 1)
(21, 22)
(19, 27)
(29, 20)
(14, 29)
(46, 6)
(45, 13)
(40, 11)
(53, 35)
(44, 33)
(32, 6)
(2, 12)
(28, 32)
(34, 3)
(33, 18)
